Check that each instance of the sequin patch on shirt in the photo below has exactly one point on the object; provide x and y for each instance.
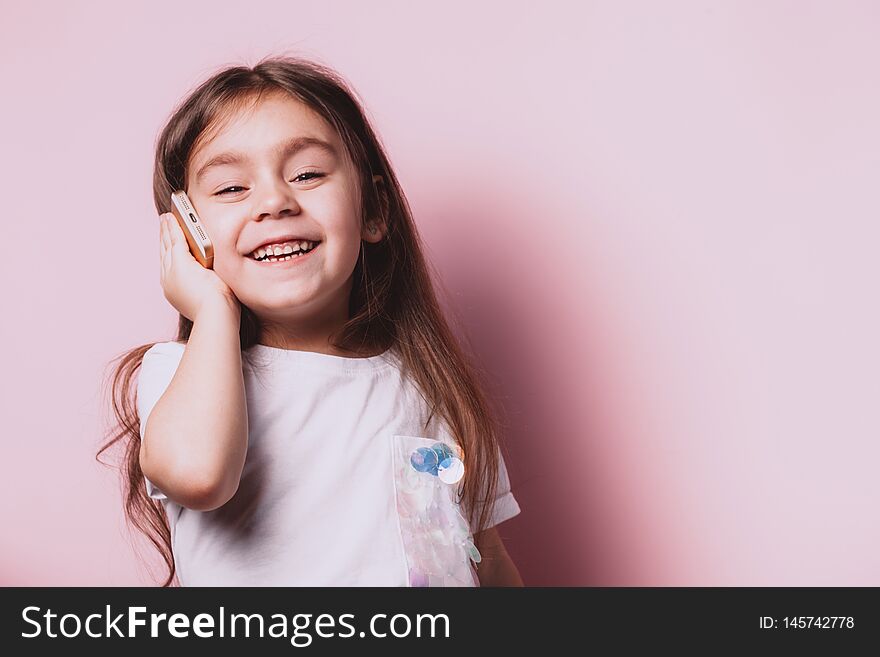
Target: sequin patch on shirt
(437, 539)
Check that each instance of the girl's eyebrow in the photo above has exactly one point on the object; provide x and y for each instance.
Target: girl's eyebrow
(283, 149)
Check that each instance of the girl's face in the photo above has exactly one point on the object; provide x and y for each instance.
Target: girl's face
(252, 184)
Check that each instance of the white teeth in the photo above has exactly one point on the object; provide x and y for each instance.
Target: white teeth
(281, 249)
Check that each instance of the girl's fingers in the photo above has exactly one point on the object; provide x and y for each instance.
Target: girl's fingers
(172, 229)
(166, 239)
(166, 246)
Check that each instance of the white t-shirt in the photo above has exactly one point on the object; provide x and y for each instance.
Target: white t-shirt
(330, 494)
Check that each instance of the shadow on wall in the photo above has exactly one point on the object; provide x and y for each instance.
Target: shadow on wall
(545, 439)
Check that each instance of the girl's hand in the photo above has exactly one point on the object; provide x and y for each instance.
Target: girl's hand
(186, 283)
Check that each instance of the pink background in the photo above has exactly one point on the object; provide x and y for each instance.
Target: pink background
(657, 223)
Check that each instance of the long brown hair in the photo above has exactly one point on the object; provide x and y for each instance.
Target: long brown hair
(393, 303)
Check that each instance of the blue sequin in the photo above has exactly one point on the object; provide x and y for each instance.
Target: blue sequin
(431, 459)
(442, 450)
(424, 460)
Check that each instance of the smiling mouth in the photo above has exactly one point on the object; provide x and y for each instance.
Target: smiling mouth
(285, 256)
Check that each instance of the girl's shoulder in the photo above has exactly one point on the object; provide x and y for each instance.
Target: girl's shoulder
(171, 347)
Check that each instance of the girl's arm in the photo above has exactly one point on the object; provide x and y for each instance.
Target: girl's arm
(496, 568)
(195, 440)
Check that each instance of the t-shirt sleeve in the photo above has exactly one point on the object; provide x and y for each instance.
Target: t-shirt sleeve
(506, 505)
(157, 369)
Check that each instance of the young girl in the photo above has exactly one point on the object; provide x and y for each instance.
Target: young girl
(315, 423)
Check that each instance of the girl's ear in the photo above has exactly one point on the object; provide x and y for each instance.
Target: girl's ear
(376, 227)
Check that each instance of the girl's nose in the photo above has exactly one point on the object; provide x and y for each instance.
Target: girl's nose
(275, 198)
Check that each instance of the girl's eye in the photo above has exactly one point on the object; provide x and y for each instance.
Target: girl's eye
(314, 174)
(223, 191)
